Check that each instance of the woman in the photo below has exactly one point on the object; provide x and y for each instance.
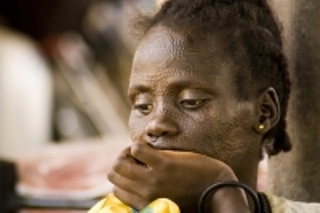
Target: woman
(209, 89)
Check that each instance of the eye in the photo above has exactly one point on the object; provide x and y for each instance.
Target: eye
(192, 103)
(192, 99)
(142, 103)
(144, 108)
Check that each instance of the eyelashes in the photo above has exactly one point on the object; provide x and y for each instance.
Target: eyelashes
(185, 104)
(193, 103)
(143, 108)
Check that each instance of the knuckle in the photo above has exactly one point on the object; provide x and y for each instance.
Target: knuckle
(122, 195)
(117, 164)
(136, 149)
(131, 200)
(150, 193)
(110, 176)
(116, 192)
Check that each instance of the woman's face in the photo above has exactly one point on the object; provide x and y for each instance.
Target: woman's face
(184, 97)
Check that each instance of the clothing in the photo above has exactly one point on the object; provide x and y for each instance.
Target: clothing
(282, 205)
(111, 204)
(278, 205)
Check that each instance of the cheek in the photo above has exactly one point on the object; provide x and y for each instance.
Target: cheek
(226, 138)
(136, 126)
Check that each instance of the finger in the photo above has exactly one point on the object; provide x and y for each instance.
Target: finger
(133, 200)
(127, 166)
(125, 183)
(146, 154)
(125, 152)
(144, 187)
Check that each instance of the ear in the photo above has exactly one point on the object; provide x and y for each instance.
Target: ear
(268, 110)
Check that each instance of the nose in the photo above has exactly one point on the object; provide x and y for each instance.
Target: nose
(161, 125)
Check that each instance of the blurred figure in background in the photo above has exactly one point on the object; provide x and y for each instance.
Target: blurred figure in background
(25, 92)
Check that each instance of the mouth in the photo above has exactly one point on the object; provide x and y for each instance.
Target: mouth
(160, 145)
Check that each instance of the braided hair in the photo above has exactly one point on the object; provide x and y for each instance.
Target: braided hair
(254, 41)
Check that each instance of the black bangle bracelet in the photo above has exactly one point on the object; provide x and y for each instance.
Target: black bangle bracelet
(214, 187)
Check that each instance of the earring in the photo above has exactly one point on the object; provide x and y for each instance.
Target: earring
(261, 127)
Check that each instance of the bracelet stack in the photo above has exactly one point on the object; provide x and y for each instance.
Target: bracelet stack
(261, 204)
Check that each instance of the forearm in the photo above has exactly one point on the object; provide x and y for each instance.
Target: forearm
(228, 199)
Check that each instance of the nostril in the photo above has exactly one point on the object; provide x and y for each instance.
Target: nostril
(152, 138)
(164, 133)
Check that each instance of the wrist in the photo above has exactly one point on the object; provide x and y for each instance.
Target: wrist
(229, 199)
(228, 196)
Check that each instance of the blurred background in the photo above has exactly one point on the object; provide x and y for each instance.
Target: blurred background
(64, 68)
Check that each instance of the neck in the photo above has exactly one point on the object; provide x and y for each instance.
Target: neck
(248, 175)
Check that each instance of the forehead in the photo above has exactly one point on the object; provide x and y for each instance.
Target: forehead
(167, 52)
(167, 45)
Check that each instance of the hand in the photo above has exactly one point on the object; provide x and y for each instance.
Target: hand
(141, 174)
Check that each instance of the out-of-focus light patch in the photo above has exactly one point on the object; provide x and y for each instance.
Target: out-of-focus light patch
(160, 2)
(67, 121)
(146, 7)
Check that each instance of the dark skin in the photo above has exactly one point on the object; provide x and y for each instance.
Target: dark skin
(189, 129)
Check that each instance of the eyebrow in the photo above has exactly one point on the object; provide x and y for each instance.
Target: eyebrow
(137, 89)
(181, 84)
(192, 83)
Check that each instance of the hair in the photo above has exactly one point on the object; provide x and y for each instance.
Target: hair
(254, 41)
